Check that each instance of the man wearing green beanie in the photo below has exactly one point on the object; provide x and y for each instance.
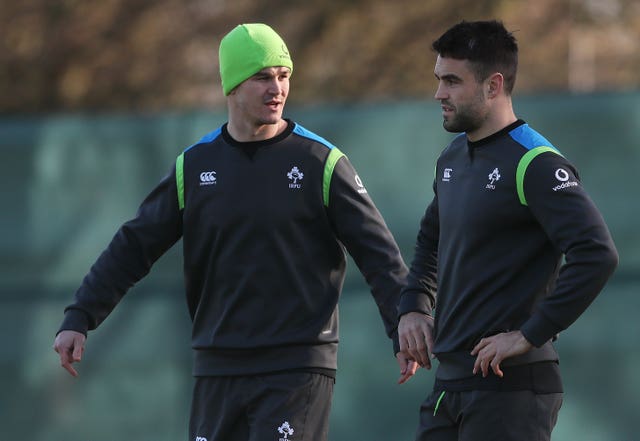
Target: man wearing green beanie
(246, 50)
(265, 210)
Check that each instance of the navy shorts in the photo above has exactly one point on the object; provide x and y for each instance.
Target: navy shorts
(290, 406)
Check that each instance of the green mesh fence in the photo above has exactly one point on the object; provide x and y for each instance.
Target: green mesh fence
(70, 180)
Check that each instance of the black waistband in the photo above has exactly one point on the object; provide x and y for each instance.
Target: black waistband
(456, 365)
(541, 377)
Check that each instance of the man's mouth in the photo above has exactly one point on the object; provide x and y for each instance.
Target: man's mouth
(273, 104)
(446, 108)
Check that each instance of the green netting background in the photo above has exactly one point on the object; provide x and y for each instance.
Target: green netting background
(68, 182)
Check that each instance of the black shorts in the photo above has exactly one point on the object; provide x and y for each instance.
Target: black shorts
(520, 415)
(290, 406)
(522, 406)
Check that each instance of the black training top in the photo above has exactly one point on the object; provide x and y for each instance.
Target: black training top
(491, 253)
(264, 227)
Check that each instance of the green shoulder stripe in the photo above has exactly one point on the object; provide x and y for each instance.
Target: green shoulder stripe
(180, 180)
(524, 163)
(329, 165)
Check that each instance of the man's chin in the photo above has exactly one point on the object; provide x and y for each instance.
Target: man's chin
(268, 121)
(451, 128)
(273, 118)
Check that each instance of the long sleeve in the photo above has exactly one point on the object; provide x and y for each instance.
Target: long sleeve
(420, 293)
(128, 258)
(575, 226)
(360, 227)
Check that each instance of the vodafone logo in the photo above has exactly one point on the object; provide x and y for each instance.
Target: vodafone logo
(562, 175)
(360, 185)
(208, 178)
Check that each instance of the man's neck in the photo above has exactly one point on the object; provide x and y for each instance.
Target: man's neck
(500, 116)
(250, 132)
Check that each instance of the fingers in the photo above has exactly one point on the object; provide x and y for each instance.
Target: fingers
(483, 365)
(407, 368)
(66, 359)
(416, 349)
(477, 348)
(69, 368)
(495, 367)
(415, 338)
(491, 351)
(403, 364)
(70, 346)
(420, 353)
(78, 350)
(480, 363)
(406, 376)
(485, 355)
(489, 354)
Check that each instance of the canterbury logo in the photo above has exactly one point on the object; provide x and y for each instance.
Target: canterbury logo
(208, 178)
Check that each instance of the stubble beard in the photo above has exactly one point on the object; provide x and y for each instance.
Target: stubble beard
(466, 118)
(460, 123)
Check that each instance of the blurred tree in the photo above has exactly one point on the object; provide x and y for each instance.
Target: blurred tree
(143, 55)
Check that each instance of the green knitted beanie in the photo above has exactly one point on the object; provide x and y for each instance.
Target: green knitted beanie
(246, 50)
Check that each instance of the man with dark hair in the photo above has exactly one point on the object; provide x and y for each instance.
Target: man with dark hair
(265, 210)
(488, 290)
(486, 46)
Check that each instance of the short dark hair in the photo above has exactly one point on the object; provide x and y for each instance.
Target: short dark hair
(487, 45)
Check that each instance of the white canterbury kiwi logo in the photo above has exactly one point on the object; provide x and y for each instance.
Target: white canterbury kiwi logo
(208, 178)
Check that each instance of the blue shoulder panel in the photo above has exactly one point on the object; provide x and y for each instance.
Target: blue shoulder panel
(298, 129)
(536, 144)
(207, 138)
(332, 159)
(529, 138)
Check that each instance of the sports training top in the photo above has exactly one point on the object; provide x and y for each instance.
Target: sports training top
(264, 228)
(506, 210)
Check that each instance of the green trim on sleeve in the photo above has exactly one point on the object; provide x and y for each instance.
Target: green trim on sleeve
(329, 165)
(522, 168)
(180, 180)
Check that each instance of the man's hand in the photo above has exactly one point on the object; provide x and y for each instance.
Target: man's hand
(70, 346)
(407, 368)
(415, 332)
(491, 351)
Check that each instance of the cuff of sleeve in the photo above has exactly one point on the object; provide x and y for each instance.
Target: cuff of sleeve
(75, 320)
(538, 330)
(414, 302)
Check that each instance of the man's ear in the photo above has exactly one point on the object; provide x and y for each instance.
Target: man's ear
(495, 84)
